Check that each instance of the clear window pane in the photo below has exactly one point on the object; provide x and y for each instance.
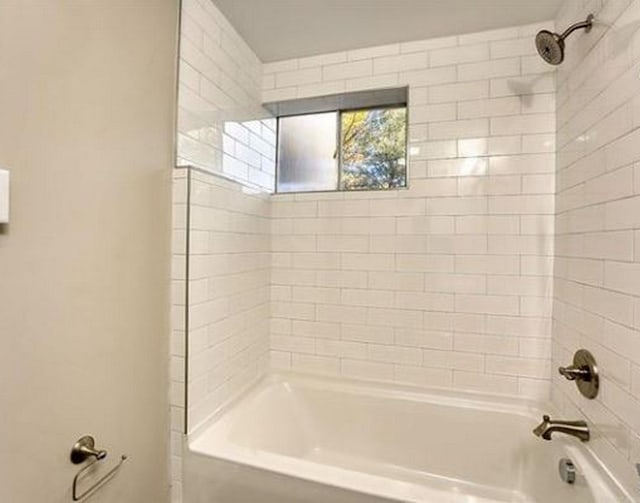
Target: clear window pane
(374, 149)
(307, 153)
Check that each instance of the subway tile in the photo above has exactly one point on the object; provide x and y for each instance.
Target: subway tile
(526, 85)
(494, 107)
(464, 91)
(394, 354)
(515, 366)
(316, 329)
(615, 306)
(328, 243)
(430, 113)
(538, 143)
(486, 383)
(523, 164)
(395, 318)
(489, 69)
(315, 363)
(367, 370)
(460, 54)
(458, 129)
(622, 277)
(521, 205)
(455, 283)
(428, 76)
(404, 62)
(331, 87)
(614, 245)
(368, 262)
(367, 298)
(341, 314)
(428, 339)
(341, 349)
(457, 206)
(424, 263)
(369, 82)
(433, 187)
(424, 301)
(529, 124)
(487, 264)
(350, 70)
(367, 333)
(293, 344)
(469, 166)
(453, 360)
(486, 344)
(472, 147)
(489, 304)
(503, 145)
(322, 60)
(398, 244)
(298, 77)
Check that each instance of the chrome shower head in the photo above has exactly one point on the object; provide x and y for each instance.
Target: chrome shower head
(551, 45)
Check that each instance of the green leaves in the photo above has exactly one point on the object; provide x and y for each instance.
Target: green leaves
(374, 149)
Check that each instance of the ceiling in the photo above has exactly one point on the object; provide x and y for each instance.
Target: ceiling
(283, 29)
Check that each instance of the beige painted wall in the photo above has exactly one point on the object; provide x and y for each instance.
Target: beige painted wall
(87, 93)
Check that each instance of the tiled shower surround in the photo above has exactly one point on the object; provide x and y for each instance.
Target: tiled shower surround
(221, 222)
(449, 282)
(597, 264)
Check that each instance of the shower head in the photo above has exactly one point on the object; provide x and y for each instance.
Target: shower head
(551, 45)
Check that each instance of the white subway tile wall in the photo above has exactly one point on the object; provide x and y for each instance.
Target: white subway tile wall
(450, 282)
(229, 274)
(447, 283)
(597, 265)
(222, 130)
(222, 126)
(177, 349)
(223, 228)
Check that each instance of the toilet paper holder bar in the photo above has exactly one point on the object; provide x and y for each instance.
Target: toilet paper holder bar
(82, 450)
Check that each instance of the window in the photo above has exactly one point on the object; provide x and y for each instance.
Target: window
(351, 149)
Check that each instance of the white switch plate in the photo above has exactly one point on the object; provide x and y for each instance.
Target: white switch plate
(4, 196)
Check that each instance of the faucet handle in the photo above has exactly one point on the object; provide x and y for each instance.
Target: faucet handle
(584, 372)
(571, 373)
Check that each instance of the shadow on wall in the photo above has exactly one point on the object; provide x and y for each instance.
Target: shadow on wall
(525, 88)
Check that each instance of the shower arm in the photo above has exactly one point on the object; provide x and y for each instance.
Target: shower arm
(587, 25)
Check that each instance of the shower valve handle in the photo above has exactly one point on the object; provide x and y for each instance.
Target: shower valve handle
(571, 373)
(584, 372)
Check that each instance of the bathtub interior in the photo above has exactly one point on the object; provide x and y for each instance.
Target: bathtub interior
(466, 444)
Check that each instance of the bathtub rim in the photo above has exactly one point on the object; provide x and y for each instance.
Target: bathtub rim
(382, 388)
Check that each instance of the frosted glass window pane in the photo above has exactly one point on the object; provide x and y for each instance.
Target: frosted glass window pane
(307, 153)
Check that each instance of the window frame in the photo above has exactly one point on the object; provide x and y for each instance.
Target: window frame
(339, 160)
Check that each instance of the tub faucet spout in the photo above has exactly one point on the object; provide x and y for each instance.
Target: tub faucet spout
(578, 429)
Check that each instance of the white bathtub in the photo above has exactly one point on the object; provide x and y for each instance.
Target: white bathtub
(295, 439)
